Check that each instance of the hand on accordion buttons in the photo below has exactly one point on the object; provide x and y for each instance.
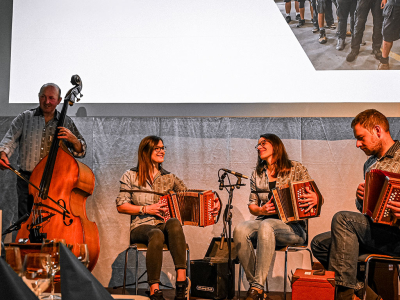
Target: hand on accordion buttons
(360, 192)
(395, 207)
(217, 207)
(157, 209)
(309, 199)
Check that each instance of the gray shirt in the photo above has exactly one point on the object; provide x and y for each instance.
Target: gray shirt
(393, 2)
(259, 190)
(30, 133)
(163, 182)
(259, 185)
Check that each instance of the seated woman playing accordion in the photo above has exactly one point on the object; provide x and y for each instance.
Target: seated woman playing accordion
(273, 170)
(148, 225)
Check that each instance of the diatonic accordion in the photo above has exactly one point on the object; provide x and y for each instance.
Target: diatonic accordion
(191, 207)
(380, 188)
(287, 202)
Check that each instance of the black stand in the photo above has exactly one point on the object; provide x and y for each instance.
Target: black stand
(228, 219)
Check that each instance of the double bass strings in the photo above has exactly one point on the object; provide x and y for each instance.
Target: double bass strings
(26, 180)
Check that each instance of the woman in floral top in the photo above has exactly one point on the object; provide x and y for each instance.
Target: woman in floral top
(273, 170)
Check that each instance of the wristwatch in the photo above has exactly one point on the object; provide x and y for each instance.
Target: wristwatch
(141, 212)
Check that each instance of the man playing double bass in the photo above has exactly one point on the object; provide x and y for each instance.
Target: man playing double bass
(32, 132)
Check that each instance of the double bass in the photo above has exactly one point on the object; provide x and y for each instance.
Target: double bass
(59, 186)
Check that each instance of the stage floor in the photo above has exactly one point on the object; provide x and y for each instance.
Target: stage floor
(169, 294)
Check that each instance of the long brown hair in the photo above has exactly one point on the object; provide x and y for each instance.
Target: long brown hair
(144, 165)
(283, 164)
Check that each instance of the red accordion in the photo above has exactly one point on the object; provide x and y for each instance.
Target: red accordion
(287, 201)
(191, 207)
(380, 188)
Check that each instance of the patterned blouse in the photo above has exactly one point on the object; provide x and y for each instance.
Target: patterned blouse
(259, 185)
(163, 182)
(259, 191)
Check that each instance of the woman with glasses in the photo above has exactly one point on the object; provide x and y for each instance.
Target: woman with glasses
(139, 195)
(273, 170)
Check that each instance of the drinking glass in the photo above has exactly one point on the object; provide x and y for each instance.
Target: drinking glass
(37, 272)
(13, 258)
(52, 247)
(82, 253)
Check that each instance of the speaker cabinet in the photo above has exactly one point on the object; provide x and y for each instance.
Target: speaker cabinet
(210, 280)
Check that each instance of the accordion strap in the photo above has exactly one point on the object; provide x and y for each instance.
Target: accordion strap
(143, 191)
(220, 206)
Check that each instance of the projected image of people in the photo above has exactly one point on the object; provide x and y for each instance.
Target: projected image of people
(347, 34)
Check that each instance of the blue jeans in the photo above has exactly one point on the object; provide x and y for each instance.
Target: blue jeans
(263, 235)
(352, 233)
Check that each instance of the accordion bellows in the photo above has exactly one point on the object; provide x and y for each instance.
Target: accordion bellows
(380, 188)
(191, 207)
(286, 200)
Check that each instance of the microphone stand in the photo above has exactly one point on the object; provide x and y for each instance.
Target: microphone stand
(13, 227)
(16, 225)
(228, 219)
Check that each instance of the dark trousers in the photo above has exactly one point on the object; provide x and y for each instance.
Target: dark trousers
(170, 233)
(325, 7)
(361, 14)
(315, 13)
(25, 202)
(344, 8)
(353, 233)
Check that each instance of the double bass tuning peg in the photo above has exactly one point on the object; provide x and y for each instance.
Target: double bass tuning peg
(79, 99)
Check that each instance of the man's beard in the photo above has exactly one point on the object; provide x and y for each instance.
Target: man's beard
(376, 145)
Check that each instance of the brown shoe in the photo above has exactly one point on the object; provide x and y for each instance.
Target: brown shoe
(382, 66)
(253, 294)
(322, 37)
(345, 293)
(371, 295)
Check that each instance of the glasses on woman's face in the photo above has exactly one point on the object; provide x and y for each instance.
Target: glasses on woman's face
(158, 149)
(262, 144)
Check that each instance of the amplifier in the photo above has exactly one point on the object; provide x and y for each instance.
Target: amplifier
(210, 280)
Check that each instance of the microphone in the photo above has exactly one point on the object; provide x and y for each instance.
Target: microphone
(17, 224)
(235, 173)
(221, 181)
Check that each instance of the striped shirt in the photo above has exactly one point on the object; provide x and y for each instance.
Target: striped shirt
(389, 162)
(163, 182)
(30, 133)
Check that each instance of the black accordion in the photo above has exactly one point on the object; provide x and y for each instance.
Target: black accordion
(287, 202)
